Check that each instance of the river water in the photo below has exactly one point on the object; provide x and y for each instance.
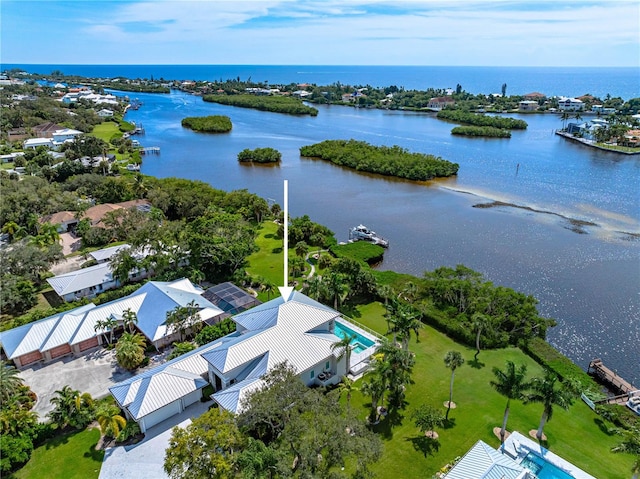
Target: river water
(585, 277)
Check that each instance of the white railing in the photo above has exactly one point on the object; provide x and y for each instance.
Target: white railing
(364, 328)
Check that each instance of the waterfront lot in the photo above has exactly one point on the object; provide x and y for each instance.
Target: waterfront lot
(574, 435)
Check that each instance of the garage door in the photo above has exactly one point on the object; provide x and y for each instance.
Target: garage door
(60, 351)
(192, 398)
(160, 415)
(29, 358)
(88, 344)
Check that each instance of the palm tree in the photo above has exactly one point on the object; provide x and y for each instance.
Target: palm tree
(375, 387)
(510, 383)
(403, 319)
(479, 322)
(543, 390)
(110, 420)
(107, 324)
(630, 444)
(577, 116)
(385, 292)
(10, 382)
(129, 319)
(409, 292)
(71, 408)
(564, 117)
(453, 360)
(347, 385)
(336, 287)
(396, 364)
(268, 287)
(301, 248)
(345, 348)
(314, 287)
(130, 350)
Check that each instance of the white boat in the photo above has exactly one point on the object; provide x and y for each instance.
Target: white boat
(634, 402)
(362, 233)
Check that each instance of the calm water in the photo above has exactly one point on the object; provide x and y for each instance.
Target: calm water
(574, 81)
(586, 280)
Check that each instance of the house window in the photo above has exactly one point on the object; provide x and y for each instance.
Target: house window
(312, 374)
(326, 365)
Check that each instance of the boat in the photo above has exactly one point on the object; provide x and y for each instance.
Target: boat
(362, 233)
(634, 402)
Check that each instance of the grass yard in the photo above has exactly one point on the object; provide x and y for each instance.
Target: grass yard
(71, 456)
(106, 130)
(573, 434)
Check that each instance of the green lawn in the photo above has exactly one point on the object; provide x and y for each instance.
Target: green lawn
(106, 130)
(71, 456)
(572, 434)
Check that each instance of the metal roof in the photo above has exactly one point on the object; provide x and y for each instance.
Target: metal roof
(294, 331)
(233, 398)
(39, 335)
(81, 279)
(230, 298)
(106, 253)
(484, 462)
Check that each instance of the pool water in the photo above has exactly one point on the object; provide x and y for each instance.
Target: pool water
(543, 469)
(359, 343)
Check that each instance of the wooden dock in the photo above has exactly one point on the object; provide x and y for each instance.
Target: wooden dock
(609, 377)
(155, 150)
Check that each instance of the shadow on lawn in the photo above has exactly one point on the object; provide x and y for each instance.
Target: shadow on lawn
(386, 425)
(476, 364)
(425, 445)
(95, 454)
(603, 427)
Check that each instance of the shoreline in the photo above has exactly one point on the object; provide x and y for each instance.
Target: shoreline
(590, 144)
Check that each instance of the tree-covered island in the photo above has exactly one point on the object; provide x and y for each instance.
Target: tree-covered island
(208, 124)
(277, 104)
(259, 155)
(382, 160)
(484, 131)
(476, 119)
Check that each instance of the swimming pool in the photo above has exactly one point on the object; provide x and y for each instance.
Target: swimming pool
(359, 344)
(543, 469)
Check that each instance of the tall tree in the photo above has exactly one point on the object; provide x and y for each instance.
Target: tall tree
(479, 322)
(336, 288)
(344, 348)
(510, 383)
(453, 360)
(10, 381)
(129, 319)
(207, 448)
(105, 325)
(549, 391)
(110, 420)
(403, 319)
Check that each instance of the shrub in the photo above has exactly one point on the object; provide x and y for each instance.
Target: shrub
(211, 333)
(130, 430)
(181, 348)
(548, 356)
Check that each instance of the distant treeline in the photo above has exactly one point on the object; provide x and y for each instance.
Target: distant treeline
(383, 160)
(485, 131)
(134, 87)
(277, 104)
(468, 118)
(209, 124)
(260, 155)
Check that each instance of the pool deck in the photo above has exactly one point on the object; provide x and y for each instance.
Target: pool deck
(518, 446)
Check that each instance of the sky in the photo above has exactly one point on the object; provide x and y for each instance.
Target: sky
(323, 32)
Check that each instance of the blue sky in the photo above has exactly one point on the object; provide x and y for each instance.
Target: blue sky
(323, 32)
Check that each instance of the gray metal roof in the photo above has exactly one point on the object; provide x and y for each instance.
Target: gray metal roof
(81, 279)
(106, 253)
(484, 462)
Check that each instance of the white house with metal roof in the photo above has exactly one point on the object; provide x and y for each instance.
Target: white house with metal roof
(75, 331)
(297, 330)
(484, 462)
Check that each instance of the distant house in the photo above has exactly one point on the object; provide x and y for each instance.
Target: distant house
(602, 110)
(95, 214)
(301, 93)
(528, 105)
(534, 96)
(74, 331)
(36, 142)
(60, 136)
(104, 113)
(570, 104)
(84, 283)
(440, 102)
(46, 130)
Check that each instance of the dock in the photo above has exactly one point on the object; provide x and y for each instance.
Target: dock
(610, 378)
(152, 150)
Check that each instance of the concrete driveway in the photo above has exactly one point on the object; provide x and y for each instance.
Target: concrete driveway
(145, 459)
(94, 373)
